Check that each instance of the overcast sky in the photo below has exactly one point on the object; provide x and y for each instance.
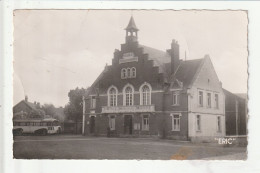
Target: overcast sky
(59, 50)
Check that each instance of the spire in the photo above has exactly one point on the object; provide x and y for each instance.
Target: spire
(131, 31)
(131, 25)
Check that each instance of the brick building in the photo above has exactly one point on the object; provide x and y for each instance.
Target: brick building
(148, 92)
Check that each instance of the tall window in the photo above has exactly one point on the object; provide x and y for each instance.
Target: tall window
(129, 72)
(216, 101)
(200, 98)
(198, 123)
(175, 98)
(128, 96)
(218, 123)
(145, 124)
(123, 73)
(133, 70)
(176, 122)
(112, 97)
(209, 100)
(112, 122)
(146, 95)
(93, 102)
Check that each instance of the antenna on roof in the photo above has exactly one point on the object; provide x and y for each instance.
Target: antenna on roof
(185, 56)
(131, 12)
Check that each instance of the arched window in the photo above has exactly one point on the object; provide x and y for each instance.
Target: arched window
(128, 96)
(112, 97)
(123, 73)
(133, 72)
(145, 94)
(129, 72)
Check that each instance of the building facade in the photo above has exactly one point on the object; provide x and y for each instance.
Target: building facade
(236, 114)
(148, 92)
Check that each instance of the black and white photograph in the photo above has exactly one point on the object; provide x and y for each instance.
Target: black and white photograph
(130, 84)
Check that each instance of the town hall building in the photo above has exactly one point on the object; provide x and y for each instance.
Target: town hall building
(149, 92)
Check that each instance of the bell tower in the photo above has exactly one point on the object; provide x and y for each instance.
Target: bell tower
(131, 31)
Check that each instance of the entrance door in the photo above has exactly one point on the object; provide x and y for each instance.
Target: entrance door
(128, 124)
(92, 124)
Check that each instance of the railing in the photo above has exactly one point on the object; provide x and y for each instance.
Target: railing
(122, 109)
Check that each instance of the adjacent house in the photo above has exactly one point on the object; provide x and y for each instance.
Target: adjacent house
(149, 92)
(25, 109)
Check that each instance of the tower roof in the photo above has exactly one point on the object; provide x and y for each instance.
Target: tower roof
(131, 25)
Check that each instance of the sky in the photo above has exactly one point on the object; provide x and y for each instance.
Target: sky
(58, 50)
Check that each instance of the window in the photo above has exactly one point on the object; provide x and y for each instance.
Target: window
(145, 124)
(93, 102)
(22, 124)
(219, 124)
(209, 100)
(112, 97)
(128, 72)
(198, 123)
(133, 70)
(123, 73)
(145, 95)
(176, 122)
(216, 101)
(176, 98)
(200, 98)
(136, 126)
(112, 122)
(44, 124)
(128, 96)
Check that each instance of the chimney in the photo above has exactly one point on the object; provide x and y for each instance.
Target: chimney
(26, 98)
(175, 57)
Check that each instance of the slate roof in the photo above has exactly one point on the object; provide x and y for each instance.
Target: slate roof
(131, 25)
(31, 105)
(187, 70)
(159, 57)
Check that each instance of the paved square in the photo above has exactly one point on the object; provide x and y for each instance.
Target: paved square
(80, 147)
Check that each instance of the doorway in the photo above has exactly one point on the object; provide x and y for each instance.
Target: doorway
(128, 124)
(92, 124)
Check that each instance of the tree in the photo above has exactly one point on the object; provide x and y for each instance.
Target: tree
(49, 109)
(73, 110)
